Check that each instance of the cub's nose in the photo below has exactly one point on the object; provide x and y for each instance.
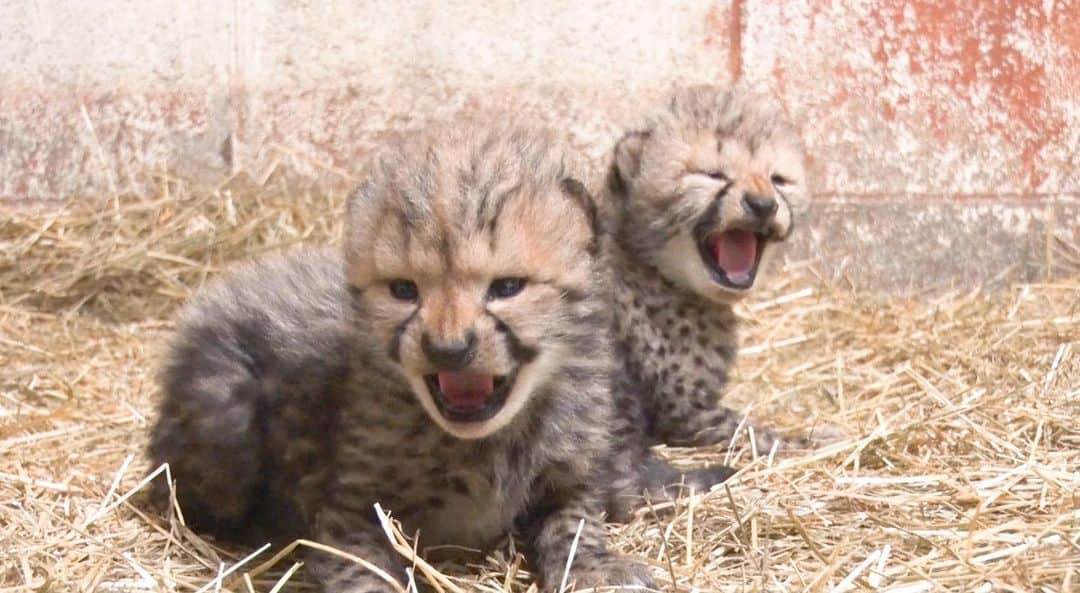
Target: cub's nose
(759, 205)
(450, 355)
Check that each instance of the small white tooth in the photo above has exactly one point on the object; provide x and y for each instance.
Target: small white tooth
(739, 277)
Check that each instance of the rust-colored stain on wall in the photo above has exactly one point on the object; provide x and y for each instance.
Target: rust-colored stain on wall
(964, 99)
(974, 51)
(723, 26)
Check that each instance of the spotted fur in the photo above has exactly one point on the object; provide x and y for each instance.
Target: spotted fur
(694, 169)
(301, 383)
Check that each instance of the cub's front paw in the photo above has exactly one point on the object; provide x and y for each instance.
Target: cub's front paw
(826, 433)
(698, 481)
(612, 574)
(819, 436)
(764, 438)
(703, 479)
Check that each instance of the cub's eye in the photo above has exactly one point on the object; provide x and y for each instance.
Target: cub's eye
(404, 290)
(716, 174)
(504, 288)
(780, 180)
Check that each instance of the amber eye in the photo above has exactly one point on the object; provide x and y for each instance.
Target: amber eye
(504, 288)
(780, 180)
(404, 290)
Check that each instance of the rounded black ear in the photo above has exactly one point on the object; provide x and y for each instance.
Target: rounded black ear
(626, 162)
(577, 191)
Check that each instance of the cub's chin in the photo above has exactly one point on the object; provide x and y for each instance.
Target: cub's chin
(692, 263)
(475, 404)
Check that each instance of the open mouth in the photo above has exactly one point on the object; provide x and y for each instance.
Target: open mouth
(469, 396)
(732, 256)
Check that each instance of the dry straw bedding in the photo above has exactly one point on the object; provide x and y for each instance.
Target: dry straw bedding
(958, 472)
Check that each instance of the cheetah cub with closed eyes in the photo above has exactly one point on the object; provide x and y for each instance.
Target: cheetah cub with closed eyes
(476, 391)
(703, 194)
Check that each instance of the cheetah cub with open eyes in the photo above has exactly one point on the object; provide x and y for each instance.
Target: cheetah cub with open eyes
(476, 393)
(703, 194)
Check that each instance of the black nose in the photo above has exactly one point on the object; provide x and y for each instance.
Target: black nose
(450, 355)
(760, 206)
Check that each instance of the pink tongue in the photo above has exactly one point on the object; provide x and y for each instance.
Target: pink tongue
(466, 389)
(735, 253)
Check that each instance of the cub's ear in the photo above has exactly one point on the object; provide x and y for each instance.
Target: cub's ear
(627, 161)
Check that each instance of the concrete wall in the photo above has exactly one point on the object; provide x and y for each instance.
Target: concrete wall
(945, 137)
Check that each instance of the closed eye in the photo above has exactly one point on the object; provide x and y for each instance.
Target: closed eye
(780, 180)
(715, 174)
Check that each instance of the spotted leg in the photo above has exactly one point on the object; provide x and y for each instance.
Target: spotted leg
(356, 534)
(551, 536)
(702, 426)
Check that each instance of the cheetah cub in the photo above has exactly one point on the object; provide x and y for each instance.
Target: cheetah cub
(702, 196)
(476, 390)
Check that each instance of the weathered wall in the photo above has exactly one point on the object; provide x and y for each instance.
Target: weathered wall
(945, 137)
